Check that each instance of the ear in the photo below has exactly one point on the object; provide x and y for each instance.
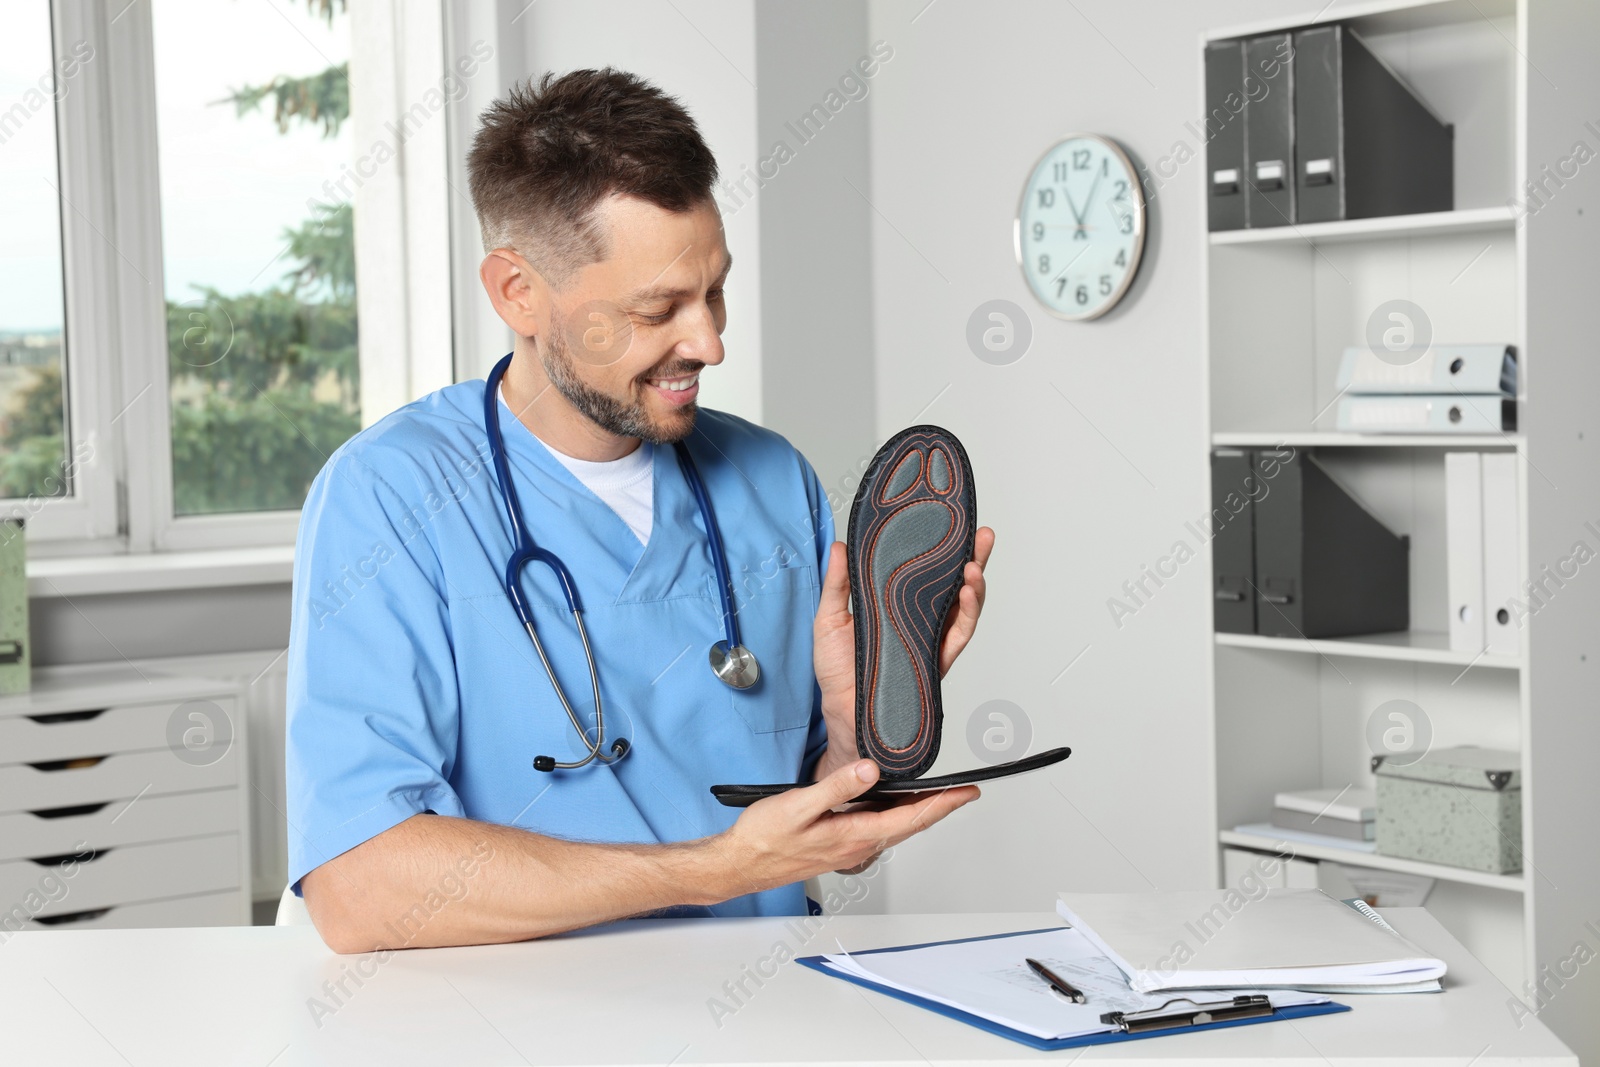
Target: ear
(518, 292)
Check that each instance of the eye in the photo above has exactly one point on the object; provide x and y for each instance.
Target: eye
(715, 294)
(656, 320)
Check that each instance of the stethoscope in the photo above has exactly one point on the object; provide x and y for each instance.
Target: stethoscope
(731, 662)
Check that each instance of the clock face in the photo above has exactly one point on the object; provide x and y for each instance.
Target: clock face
(1080, 227)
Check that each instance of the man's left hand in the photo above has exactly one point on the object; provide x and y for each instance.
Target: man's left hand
(834, 647)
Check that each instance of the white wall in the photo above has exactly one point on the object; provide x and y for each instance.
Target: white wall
(703, 53)
(809, 188)
(1089, 452)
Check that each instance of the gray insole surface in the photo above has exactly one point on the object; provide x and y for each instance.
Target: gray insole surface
(906, 535)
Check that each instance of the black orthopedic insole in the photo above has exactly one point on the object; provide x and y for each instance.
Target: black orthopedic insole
(912, 529)
(911, 534)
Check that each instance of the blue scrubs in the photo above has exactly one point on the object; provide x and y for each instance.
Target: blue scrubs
(413, 687)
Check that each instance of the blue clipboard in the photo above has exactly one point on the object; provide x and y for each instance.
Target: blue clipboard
(816, 963)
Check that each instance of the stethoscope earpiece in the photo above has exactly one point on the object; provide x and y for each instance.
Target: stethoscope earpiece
(619, 748)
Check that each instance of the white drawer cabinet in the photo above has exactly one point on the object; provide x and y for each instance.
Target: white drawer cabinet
(123, 801)
(54, 831)
(69, 734)
(118, 776)
(207, 909)
(59, 885)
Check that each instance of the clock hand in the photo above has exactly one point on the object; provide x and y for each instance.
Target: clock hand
(1088, 201)
(1071, 205)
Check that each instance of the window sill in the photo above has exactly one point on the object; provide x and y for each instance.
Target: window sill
(156, 572)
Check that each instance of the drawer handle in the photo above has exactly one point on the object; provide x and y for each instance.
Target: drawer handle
(78, 764)
(67, 857)
(69, 812)
(67, 716)
(71, 917)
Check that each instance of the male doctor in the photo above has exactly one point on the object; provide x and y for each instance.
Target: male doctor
(416, 701)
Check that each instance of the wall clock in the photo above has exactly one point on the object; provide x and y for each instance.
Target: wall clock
(1080, 227)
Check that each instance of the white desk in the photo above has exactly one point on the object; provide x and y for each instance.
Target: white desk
(634, 993)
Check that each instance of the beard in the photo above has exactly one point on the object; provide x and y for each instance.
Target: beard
(625, 418)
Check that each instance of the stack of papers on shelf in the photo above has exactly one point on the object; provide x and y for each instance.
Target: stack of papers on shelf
(986, 980)
(1346, 813)
(1304, 837)
(1273, 938)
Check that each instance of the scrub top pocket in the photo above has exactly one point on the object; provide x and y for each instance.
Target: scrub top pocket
(776, 614)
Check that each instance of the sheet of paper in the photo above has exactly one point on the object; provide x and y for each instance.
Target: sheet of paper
(989, 978)
(1211, 938)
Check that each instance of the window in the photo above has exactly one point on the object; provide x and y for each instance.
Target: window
(257, 260)
(33, 410)
(178, 326)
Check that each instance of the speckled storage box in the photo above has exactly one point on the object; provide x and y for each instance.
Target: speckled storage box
(1460, 806)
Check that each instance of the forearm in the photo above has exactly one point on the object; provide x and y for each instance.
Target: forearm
(435, 880)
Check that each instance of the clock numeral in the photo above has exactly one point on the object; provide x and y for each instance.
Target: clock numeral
(1122, 257)
(1105, 285)
(1080, 159)
(1105, 167)
(1059, 171)
(1044, 264)
(1082, 295)
(1061, 287)
(1125, 224)
(1038, 231)
(1047, 198)
(1122, 189)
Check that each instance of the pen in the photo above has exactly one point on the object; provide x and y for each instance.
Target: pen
(1058, 983)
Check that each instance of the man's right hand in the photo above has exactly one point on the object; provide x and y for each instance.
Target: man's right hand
(799, 834)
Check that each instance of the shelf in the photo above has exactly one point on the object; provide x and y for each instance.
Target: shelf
(1373, 17)
(1311, 439)
(1415, 646)
(1511, 883)
(1470, 220)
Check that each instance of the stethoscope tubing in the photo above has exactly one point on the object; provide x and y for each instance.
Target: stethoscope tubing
(525, 551)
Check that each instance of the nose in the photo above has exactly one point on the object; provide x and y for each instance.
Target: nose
(702, 340)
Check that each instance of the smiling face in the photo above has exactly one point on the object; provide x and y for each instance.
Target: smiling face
(629, 337)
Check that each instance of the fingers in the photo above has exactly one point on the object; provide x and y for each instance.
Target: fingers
(963, 624)
(963, 620)
(838, 788)
(982, 545)
(893, 825)
(836, 584)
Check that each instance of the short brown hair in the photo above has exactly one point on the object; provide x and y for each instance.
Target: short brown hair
(547, 154)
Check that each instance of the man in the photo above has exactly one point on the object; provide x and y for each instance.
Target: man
(416, 701)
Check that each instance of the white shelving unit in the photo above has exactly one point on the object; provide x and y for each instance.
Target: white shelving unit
(1313, 439)
(1413, 646)
(1512, 883)
(1470, 220)
(1281, 305)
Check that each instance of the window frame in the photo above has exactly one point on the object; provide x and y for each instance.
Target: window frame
(118, 399)
(89, 516)
(152, 522)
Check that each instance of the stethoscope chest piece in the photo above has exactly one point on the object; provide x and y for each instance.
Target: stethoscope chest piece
(735, 666)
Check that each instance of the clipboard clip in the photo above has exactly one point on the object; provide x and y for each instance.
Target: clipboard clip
(1135, 1022)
